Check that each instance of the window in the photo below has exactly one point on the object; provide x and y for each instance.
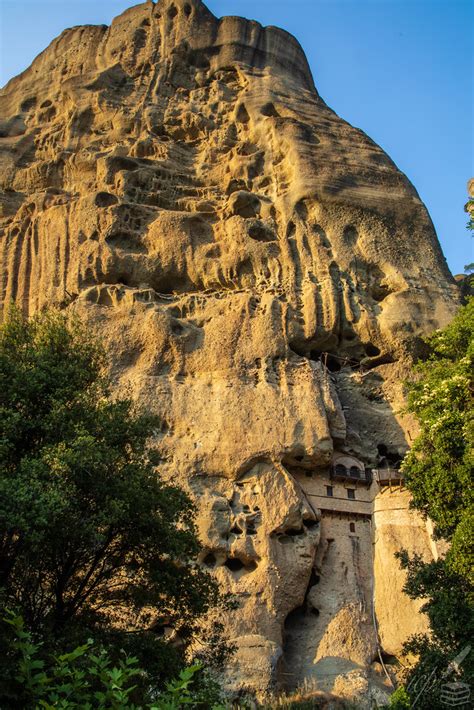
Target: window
(354, 472)
(351, 494)
(352, 527)
(329, 491)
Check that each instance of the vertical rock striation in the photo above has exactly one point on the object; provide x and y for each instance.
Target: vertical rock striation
(261, 272)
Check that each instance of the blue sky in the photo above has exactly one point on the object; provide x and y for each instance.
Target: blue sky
(402, 70)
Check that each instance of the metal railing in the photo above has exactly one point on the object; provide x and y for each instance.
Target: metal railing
(351, 473)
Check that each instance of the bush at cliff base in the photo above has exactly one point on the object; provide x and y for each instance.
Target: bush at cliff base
(85, 678)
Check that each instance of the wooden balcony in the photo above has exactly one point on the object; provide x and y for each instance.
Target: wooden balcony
(388, 476)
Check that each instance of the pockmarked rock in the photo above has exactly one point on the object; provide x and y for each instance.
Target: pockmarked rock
(262, 274)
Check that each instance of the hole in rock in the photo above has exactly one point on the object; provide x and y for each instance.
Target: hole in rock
(121, 163)
(350, 234)
(294, 617)
(372, 350)
(333, 363)
(389, 658)
(197, 58)
(245, 204)
(293, 532)
(145, 23)
(210, 560)
(235, 185)
(236, 565)
(124, 279)
(309, 523)
(105, 199)
(261, 233)
(236, 530)
(269, 110)
(284, 539)
(388, 458)
(290, 230)
(172, 12)
(379, 291)
(28, 104)
(315, 611)
(299, 458)
(301, 210)
(242, 115)
(177, 328)
(251, 530)
(314, 579)
(187, 9)
(246, 508)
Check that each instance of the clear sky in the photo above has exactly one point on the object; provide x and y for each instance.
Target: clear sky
(402, 70)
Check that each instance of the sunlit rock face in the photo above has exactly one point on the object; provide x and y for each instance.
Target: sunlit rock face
(248, 257)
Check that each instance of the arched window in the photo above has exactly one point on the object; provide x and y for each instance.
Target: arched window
(355, 472)
(340, 470)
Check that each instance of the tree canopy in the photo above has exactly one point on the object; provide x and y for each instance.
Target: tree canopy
(439, 467)
(438, 472)
(92, 541)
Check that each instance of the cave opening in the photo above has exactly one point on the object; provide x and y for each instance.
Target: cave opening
(234, 564)
(210, 560)
(372, 350)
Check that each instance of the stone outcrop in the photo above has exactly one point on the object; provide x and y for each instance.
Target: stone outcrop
(261, 272)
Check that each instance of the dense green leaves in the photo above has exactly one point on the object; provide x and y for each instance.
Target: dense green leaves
(92, 541)
(86, 679)
(439, 466)
(438, 472)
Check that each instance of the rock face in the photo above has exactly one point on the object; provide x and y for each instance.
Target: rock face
(261, 272)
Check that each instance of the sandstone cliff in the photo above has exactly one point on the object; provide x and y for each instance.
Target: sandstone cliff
(261, 271)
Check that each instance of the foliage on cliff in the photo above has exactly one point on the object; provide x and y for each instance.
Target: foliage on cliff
(438, 472)
(438, 468)
(92, 542)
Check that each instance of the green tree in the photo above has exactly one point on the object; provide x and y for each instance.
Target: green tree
(92, 542)
(438, 473)
(85, 678)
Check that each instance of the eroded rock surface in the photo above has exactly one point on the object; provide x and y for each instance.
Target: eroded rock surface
(261, 271)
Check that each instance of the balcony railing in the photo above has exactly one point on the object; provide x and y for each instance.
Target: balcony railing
(351, 473)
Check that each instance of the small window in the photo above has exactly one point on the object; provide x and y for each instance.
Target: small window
(329, 491)
(352, 527)
(351, 494)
